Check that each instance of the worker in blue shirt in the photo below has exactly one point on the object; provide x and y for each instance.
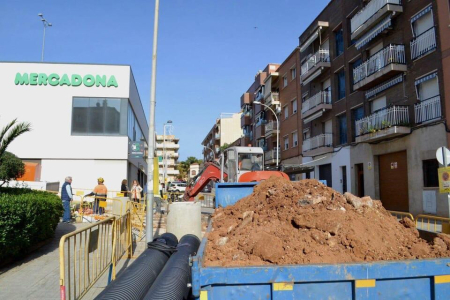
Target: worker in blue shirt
(66, 197)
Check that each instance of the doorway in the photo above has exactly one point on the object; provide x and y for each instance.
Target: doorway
(394, 181)
(325, 174)
(344, 179)
(360, 180)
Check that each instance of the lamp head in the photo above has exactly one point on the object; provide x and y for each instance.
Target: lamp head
(256, 102)
(40, 15)
(49, 24)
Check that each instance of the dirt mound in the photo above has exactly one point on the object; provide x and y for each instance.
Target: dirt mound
(305, 222)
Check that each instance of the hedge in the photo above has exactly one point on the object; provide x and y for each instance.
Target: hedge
(27, 217)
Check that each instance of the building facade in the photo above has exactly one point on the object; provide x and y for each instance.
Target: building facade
(223, 133)
(167, 147)
(373, 101)
(84, 120)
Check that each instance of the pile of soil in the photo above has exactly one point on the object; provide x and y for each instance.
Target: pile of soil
(306, 222)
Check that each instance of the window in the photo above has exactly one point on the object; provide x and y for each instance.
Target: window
(378, 104)
(286, 112)
(286, 143)
(306, 135)
(357, 114)
(422, 21)
(340, 78)
(295, 139)
(285, 81)
(99, 116)
(427, 87)
(193, 173)
(293, 73)
(355, 64)
(294, 106)
(342, 121)
(430, 173)
(339, 37)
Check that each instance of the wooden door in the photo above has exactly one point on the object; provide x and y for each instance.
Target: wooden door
(394, 181)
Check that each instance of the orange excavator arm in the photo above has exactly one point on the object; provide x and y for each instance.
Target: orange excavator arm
(198, 183)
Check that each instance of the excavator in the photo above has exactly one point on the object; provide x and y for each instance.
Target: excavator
(236, 164)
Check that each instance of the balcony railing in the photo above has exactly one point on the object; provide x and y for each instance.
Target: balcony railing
(270, 127)
(423, 43)
(217, 136)
(392, 54)
(318, 141)
(274, 96)
(382, 119)
(428, 110)
(323, 97)
(272, 154)
(368, 11)
(323, 55)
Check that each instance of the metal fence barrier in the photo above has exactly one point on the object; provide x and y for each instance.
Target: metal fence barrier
(433, 223)
(400, 215)
(138, 215)
(207, 200)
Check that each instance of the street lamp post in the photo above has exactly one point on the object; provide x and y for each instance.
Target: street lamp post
(46, 24)
(278, 124)
(151, 135)
(214, 155)
(164, 152)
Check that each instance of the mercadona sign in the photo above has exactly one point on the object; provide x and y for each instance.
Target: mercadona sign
(54, 79)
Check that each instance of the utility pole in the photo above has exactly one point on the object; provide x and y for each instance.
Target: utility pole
(151, 135)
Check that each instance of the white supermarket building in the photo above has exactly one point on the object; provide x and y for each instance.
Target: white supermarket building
(84, 119)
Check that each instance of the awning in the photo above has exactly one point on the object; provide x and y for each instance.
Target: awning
(309, 41)
(421, 13)
(312, 77)
(384, 86)
(313, 117)
(379, 28)
(425, 78)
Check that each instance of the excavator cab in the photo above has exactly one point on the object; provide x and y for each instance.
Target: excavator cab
(236, 161)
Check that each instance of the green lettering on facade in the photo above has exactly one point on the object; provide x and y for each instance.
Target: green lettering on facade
(88, 80)
(65, 80)
(33, 78)
(100, 80)
(112, 81)
(21, 79)
(53, 79)
(76, 80)
(42, 79)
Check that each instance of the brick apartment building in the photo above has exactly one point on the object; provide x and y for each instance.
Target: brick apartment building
(372, 100)
(361, 102)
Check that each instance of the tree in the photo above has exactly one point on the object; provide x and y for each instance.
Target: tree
(11, 168)
(9, 133)
(224, 147)
(184, 166)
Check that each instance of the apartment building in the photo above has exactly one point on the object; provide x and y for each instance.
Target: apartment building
(167, 147)
(372, 89)
(224, 132)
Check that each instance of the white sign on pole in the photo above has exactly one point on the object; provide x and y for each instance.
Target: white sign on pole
(443, 156)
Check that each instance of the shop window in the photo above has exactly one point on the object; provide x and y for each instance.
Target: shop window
(430, 173)
(99, 116)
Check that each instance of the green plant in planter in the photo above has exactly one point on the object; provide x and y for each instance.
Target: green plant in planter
(385, 124)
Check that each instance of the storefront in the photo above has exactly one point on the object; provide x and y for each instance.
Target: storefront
(84, 119)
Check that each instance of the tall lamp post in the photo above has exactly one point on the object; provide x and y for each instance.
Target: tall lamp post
(278, 124)
(151, 135)
(46, 24)
(164, 151)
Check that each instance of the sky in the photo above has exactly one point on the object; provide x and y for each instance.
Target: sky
(208, 50)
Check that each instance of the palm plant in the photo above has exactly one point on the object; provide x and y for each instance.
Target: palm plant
(10, 132)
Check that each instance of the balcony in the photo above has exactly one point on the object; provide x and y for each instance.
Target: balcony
(318, 144)
(371, 14)
(259, 96)
(423, 44)
(428, 110)
(379, 67)
(319, 102)
(246, 119)
(314, 65)
(259, 131)
(385, 123)
(169, 162)
(270, 157)
(272, 99)
(167, 146)
(217, 136)
(271, 128)
(246, 99)
(173, 172)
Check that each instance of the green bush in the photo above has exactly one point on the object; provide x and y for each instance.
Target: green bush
(11, 167)
(27, 217)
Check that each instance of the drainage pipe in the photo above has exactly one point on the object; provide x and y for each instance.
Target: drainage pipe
(137, 279)
(172, 282)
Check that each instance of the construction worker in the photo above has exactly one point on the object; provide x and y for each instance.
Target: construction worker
(100, 192)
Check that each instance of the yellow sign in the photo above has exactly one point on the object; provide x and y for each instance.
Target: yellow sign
(444, 180)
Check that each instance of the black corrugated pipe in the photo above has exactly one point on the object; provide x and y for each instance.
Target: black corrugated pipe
(172, 282)
(137, 279)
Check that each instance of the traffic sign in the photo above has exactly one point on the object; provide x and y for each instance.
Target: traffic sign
(443, 156)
